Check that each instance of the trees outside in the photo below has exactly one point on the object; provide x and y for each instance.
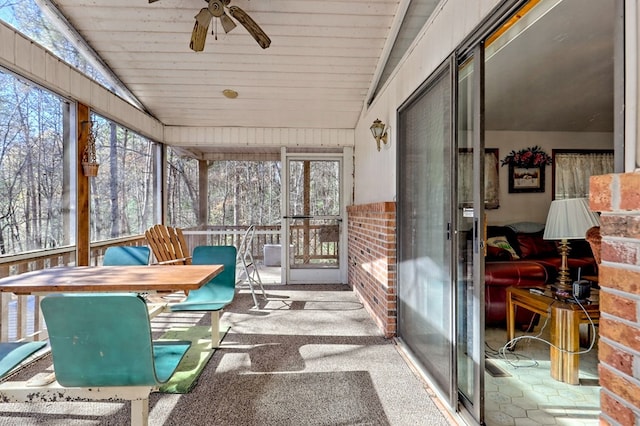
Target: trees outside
(244, 192)
(26, 17)
(182, 190)
(122, 195)
(31, 167)
(240, 192)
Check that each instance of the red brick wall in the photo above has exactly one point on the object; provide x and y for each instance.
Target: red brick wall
(372, 260)
(617, 196)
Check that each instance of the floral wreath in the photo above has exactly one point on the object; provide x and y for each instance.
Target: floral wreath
(528, 157)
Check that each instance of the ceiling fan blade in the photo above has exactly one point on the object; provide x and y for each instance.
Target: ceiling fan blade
(254, 29)
(227, 23)
(200, 29)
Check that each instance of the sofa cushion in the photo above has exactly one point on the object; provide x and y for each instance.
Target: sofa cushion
(501, 242)
(533, 245)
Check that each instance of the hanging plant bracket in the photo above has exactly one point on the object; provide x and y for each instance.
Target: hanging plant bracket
(89, 160)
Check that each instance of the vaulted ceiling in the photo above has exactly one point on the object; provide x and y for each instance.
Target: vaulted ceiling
(555, 74)
(315, 74)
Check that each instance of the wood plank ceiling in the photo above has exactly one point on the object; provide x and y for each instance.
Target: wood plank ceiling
(316, 73)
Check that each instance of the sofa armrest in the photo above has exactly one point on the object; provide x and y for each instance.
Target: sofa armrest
(499, 276)
(515, 273)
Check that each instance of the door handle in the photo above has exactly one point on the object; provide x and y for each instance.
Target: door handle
(297, 217)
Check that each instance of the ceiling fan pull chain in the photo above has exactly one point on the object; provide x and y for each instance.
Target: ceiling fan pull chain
(215, 33)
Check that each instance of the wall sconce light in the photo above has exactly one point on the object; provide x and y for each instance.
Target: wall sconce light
(379, 132)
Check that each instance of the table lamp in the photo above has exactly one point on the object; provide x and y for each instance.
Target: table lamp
(568, 219)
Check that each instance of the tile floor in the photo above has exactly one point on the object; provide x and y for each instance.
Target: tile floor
(529, 396)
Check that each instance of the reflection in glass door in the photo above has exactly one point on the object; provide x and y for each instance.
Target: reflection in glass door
(469, 223)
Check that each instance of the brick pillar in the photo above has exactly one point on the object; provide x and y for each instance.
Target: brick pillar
(617, 197)
(372, 260)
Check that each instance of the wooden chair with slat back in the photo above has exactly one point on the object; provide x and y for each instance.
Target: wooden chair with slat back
(168, 245)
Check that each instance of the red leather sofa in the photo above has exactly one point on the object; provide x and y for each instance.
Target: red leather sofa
(531, 262)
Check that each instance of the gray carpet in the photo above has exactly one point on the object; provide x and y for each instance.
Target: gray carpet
(310, 355)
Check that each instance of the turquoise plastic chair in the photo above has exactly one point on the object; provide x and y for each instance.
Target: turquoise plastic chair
(13, 353)
(217, 293)
(104, 339)
(101, 346)
(126, 255)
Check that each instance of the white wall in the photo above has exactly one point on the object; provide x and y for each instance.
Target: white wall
(533, 206)
(375, 171)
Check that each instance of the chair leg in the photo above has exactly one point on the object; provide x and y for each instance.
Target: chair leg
(215, 329)
(140, 412)
(259, 280)
(245, 267)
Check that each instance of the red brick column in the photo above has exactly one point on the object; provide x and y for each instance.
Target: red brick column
(372, 260)
(617, 196)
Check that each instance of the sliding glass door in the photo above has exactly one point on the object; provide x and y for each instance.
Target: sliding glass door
(440, 222)
(424, 230)
(469, 225)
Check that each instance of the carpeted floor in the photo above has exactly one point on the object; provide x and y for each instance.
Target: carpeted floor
(310, 355)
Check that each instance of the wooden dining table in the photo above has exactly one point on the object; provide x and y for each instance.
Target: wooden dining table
(137, 279)
(118, 279)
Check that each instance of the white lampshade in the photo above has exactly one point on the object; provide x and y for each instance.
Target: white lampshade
(569, 219)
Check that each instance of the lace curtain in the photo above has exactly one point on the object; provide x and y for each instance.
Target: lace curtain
(573, 169)
(491, 181)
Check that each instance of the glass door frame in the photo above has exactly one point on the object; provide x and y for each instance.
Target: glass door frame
(472, 408)
(316, 276)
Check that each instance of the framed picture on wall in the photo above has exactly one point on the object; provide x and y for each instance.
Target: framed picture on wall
(526, 179)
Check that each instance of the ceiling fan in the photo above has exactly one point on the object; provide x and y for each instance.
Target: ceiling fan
(216, 9)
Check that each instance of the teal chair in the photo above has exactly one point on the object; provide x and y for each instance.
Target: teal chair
(126, 256)
(218, 292)
(13, 353)
(103, 341)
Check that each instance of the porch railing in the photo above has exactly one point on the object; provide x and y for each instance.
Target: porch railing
(232, 235)
(311, 243)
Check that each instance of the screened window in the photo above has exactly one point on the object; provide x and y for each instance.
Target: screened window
(241, 192)
(182, 190)
(34, 213)
(122, 195)
(244, 192)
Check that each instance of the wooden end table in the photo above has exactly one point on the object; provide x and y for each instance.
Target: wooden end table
(565, 327)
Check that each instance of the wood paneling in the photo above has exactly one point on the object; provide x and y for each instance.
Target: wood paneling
(315, 74)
